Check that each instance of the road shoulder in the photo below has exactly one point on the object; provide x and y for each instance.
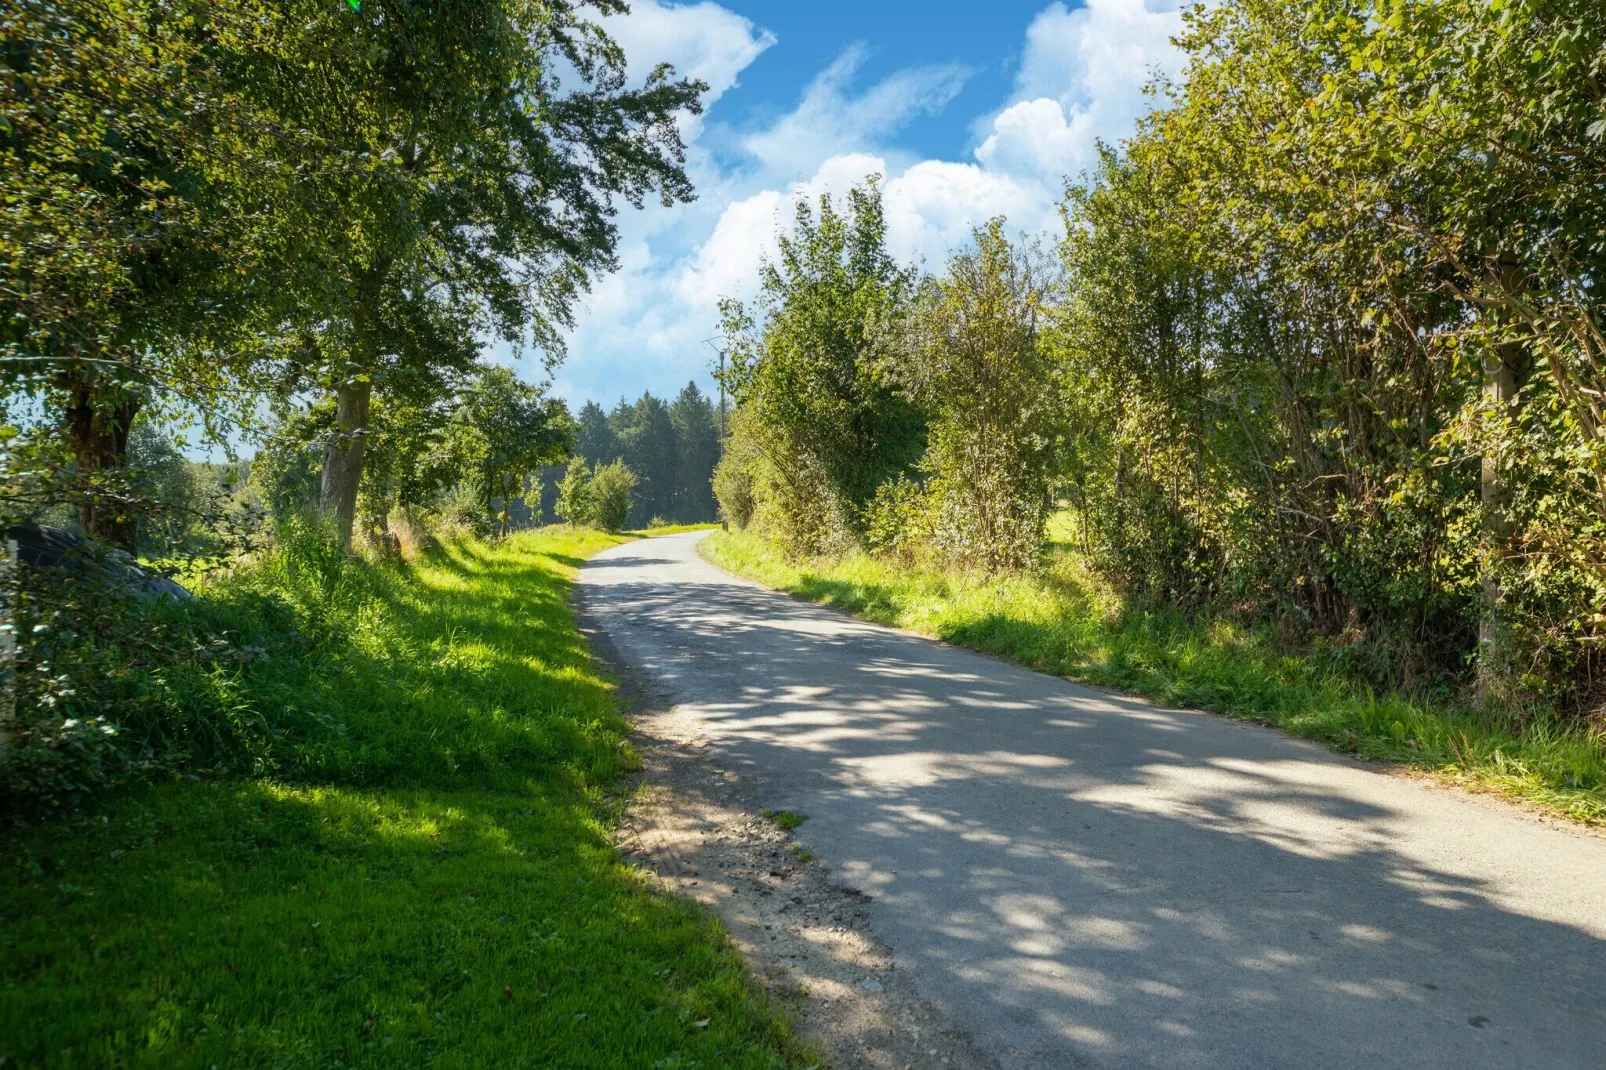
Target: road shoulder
(698, 830)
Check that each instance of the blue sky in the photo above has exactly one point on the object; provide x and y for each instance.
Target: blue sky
(968, 110)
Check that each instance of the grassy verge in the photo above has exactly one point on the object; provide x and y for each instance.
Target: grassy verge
(427, 880)
(1057, 622)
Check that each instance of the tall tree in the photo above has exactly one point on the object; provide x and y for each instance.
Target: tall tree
(696, 453)
(491, 202)
(142, 185)
(502, 431)
(807, 365)
(646, 437)
(596, 441)
(977, 369)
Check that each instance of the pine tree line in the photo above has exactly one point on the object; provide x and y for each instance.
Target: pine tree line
(671, 447)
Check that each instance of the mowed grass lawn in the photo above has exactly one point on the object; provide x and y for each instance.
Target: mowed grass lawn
(1058, 620)
(430, 883)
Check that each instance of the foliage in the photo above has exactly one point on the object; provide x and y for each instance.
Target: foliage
(648, 446)
(498, 203)
(468, 454)
(1062, 620)
(142, 186)
(696, 453)
(898, 522)
(611, 494)
(1326, 361)
(976, 371)
(501, 431)
(736, 481)
(421, 877)
(596, 440)
(809, 368)
(575, 502)
(672, 448)
(1330, 373)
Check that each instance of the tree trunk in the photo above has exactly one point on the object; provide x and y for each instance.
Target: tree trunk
(342, 458)
(1505, 367)
(97, 433)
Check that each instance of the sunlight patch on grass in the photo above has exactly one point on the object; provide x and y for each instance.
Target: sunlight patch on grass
(431, 884)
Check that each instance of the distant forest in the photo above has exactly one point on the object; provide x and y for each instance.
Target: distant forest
(671, 446)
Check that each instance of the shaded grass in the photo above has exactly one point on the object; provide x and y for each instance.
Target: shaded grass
(1059, 621)
(427, 880)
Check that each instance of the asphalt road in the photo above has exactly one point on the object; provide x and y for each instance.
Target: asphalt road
(1083, 879)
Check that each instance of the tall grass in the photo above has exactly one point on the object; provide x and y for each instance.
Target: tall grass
(422, 873)
(1060, 621)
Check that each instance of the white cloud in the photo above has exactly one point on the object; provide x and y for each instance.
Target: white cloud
(727, 263)
(703, 41)
(932, 206)
(1080, 79)
(1100, 53)
(830, 119)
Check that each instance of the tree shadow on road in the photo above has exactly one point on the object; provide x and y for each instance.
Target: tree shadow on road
(1091, 875)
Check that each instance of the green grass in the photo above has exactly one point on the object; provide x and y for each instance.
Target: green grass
(1060, 621)
(427, 881)
(786, 819)
(672, 529)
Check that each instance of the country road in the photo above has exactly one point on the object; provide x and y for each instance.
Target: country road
(1083, 879)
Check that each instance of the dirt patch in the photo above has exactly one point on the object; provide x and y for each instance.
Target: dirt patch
(700, 832)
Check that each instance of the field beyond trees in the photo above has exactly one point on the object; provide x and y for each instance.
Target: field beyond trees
(427, 878)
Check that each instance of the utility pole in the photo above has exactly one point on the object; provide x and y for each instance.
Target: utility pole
(720, 352)
(709, 342)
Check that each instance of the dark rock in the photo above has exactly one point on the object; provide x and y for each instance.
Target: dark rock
(52, 549)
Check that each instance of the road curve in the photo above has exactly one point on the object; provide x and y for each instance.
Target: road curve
(1082, 879)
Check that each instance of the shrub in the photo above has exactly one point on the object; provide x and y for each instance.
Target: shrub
(733, 489)
(611, 488)
(574, 505)
(462, 510)
(898, 521)
(112, 687)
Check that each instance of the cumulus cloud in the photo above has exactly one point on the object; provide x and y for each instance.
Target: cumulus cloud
(932, 206)
(1080, 79)
(831, 119)
(727, 264)
(702, 41)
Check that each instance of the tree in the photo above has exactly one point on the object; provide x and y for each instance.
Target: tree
(612, 488)
(493, 204)
(500, 433)
(596, 442)
(809, 366)
(142, 187)
(976, 369)
(696, 453)
(646, 437)
(575, 501)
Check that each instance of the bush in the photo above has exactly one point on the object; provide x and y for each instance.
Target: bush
(111, 687)
(574, 494)
(462, 510)
(898, 521)
(733, 489)
(611, 488)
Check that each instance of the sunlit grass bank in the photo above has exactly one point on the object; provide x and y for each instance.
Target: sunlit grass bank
(1056, 621)
(426, 881)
